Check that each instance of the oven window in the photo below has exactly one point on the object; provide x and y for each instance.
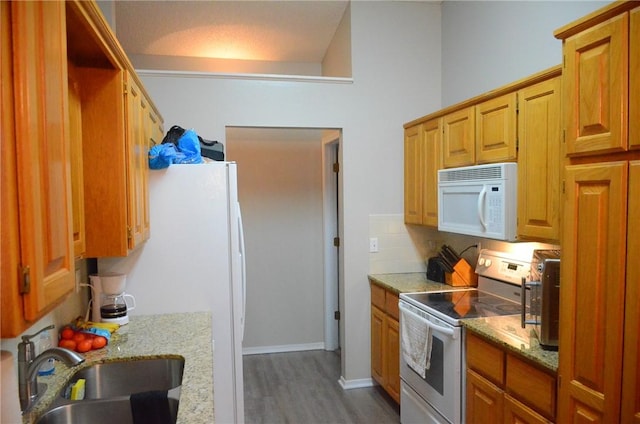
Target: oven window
(435, 373)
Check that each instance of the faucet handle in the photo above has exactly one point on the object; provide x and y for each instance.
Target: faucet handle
(26, 348)
(27, 338)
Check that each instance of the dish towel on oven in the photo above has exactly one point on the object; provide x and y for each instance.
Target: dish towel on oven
(416, 343)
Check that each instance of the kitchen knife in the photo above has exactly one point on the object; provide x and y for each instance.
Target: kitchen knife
(453, 252)
(452, 259)
(445, 262)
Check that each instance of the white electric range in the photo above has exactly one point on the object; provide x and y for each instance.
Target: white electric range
(438, 397)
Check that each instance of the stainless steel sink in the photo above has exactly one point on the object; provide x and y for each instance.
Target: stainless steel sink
(113, 379)
(109, 388)
(105, 411)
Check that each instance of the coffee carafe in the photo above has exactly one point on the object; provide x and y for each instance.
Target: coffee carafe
(110, 301)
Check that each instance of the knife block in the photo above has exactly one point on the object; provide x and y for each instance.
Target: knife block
(463, 275)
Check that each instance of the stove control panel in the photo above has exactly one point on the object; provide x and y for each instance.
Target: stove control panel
(502, 266)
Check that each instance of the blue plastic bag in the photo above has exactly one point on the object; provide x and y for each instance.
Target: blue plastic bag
(187, 151)
(189, 146)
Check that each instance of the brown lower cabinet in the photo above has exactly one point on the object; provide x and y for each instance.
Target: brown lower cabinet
(385, 340)
(502, 388)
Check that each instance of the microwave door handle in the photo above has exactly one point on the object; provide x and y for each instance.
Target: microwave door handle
(481, 198)
(434, 327)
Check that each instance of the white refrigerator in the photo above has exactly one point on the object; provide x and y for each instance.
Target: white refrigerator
(194, 261)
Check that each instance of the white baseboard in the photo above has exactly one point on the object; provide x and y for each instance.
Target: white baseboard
(355, 384)
(282, 348)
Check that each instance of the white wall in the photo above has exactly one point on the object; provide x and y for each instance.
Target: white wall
(337, 60)
(396, 78)
(486, 44)
(280, 191)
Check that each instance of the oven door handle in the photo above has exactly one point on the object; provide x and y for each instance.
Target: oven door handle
(434, 327)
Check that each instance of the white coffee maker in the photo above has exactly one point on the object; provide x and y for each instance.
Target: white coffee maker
(110, 302)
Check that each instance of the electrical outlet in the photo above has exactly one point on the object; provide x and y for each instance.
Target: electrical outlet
(373, 245)
(78, 280)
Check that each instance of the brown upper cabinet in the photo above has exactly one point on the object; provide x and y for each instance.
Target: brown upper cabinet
(597, 83)
(423, 159)
(496, 125)
(74, 152)
(459, 147)
(520, 121)
(118, 121)
(37, 248)
(482, 133)
(413, 175)
(539, 161)
(634, 78)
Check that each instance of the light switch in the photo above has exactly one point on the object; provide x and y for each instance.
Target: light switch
(373, 245)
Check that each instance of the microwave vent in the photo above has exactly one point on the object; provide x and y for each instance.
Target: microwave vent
(473, 173)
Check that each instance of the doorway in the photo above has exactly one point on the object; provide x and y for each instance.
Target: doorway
(290, 205)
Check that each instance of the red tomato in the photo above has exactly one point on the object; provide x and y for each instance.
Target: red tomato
(67, 333)
(67, 344)
(78, 337)
(98, 342)
(83, 346)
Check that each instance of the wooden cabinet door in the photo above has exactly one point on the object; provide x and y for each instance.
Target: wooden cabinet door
(10, 276)
(634, 79)
(539, 161)
(496, 129)
(459, 147)
(432, 139)
(392, 330)
(595, 82)
(137, 155)
(77, 174)
(42, 156)
(592, 293)
(413, 175)
(631, 375)
(484, 400)
(377, 345)
(518, 413)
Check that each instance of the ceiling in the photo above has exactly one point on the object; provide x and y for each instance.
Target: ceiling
(266, 30)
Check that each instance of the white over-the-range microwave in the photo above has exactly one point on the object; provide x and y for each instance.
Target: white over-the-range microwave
(479, 200)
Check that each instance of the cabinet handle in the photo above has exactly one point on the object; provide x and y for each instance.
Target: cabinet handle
(26, 280)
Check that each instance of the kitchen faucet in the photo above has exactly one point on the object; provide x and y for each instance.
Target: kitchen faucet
(28, 365)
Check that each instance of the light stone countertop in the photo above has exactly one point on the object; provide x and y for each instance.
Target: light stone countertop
(188, 335)
(409, 282)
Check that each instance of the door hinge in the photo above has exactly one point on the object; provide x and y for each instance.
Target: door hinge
(25, 287)
(563, 187)
(336, 241)
(129, 233)
(336, 167)
(336, 315)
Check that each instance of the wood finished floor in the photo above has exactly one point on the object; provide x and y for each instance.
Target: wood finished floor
(303, 388)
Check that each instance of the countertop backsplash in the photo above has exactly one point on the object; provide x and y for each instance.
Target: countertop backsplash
(400, 248)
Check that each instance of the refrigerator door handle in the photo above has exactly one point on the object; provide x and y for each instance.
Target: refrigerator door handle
(244, 269)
